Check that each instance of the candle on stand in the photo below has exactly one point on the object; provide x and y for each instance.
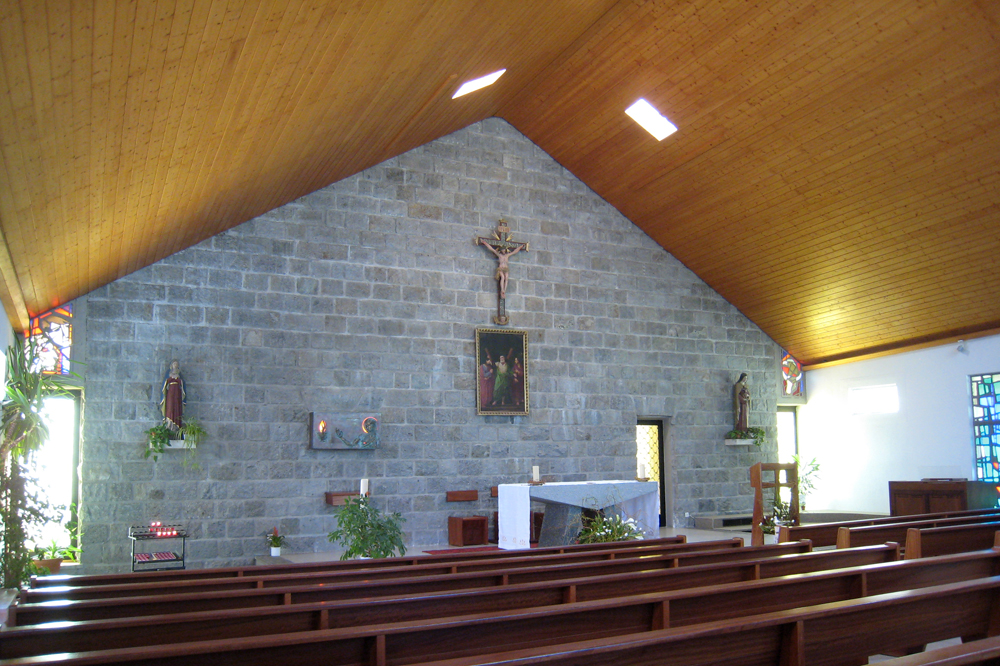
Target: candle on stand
(534, 473)
(364, 487)
(642, 471)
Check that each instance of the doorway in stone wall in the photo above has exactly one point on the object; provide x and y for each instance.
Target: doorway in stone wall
(650, 455)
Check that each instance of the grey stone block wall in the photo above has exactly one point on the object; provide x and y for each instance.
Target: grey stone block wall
(366, 295)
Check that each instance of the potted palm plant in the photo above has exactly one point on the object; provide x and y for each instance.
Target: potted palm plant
(22, 432)
(366, 532)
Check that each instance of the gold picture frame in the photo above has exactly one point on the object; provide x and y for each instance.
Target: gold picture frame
(501, 372)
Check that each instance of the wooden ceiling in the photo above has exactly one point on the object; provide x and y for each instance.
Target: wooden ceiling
(835, 175)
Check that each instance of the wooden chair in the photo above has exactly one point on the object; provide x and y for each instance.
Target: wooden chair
(791, 481)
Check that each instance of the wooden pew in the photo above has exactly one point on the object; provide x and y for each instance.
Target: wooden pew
(621, 631)
(686, 605)
(117, 607)
(849, 537)
(825, 534)
(982, 651)
(246, 582)
(936, 541)
(268, 569)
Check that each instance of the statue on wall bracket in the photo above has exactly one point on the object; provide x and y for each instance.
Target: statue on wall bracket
(503, 248)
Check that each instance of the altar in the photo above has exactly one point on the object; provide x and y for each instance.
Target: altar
(564, 509)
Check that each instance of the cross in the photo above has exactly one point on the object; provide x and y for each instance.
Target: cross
(504, 248)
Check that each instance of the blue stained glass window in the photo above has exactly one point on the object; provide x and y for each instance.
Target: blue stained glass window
(986, 426)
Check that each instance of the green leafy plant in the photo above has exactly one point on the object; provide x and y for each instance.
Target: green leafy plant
(22, 432)
(756, 434)
(158, 438)
(54, 551)
(367, 532)
(808, 475)
(275, 540)
(604, 529)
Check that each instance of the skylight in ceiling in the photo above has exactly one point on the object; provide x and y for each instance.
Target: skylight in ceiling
(643, 113)
(476, 84)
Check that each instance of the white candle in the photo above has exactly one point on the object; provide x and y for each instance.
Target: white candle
(642, 471)
(364, 486)
(534, 473)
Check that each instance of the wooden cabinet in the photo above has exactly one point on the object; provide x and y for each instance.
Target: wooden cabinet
(467, 530)
(907, 498)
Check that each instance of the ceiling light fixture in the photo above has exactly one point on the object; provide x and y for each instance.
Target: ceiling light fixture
(476, 84)
(643, 113)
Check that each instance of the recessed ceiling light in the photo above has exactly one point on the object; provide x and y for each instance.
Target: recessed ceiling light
(476, 84)
(643, 113)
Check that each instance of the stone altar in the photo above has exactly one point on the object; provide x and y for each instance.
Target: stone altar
(564, 508)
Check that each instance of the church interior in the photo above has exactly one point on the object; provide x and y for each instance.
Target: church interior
(283, 258)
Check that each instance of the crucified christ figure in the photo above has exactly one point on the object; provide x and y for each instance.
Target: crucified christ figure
(503, 265)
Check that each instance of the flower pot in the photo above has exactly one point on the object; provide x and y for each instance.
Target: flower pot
(275, 551)
(52, 565)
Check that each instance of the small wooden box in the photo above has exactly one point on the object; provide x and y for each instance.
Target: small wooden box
(467, 530)
(462, 495)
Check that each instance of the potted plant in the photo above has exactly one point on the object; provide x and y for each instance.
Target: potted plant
(745, 437)
(22, 431)
(808, 475)
(602, 529)
(366, 532)
(275, 541)
(52, 556)
(159, 438)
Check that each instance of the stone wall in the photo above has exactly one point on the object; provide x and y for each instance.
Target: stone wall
(366, 295)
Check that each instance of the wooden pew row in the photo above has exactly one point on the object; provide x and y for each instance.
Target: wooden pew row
(620, 631)
(827, 635)
(683, 606)
(937, 541)
(248, 582)
(850, 537)
(253, 570)
(825, 534)
(982, 651)
(96, 609)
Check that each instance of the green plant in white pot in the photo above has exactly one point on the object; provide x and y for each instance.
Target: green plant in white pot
(366, 532)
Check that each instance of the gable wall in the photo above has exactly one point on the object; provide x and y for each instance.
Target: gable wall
(365, 295)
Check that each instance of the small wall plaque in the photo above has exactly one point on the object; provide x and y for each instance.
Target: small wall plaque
(343, 431)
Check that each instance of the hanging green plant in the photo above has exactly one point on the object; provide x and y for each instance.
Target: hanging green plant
(159, 437)
(756, 434)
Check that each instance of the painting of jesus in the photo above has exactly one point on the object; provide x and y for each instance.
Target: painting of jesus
(501, 372)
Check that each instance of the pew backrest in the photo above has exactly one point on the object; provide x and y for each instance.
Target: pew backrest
(825, 534)
(849, 537)
(609, 631)
(682, 605)
(337, 565)
(935, 541)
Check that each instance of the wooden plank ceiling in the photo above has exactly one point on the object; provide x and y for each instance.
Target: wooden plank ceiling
(835, 175)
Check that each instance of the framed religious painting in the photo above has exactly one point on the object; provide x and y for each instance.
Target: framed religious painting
(501, 372)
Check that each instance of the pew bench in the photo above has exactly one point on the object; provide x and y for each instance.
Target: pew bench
(982, 651)
(678, 607)
(620, 631)
(825, 534)
(937, 541)
(338, 565)
(332, 576)
(116, 607)
(850, 537)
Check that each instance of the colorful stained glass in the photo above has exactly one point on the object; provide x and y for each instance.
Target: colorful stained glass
(793, 381)
(52, 333)
(986, 426)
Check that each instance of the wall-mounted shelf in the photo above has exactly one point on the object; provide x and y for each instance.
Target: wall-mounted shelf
(340, 499)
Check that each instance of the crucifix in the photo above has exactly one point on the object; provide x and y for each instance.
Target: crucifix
(504, 248)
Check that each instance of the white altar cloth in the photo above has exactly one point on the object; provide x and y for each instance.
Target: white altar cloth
(638, 499)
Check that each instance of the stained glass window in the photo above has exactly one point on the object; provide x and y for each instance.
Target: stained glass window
(793, 381)
(52, 333)
(986, 425)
